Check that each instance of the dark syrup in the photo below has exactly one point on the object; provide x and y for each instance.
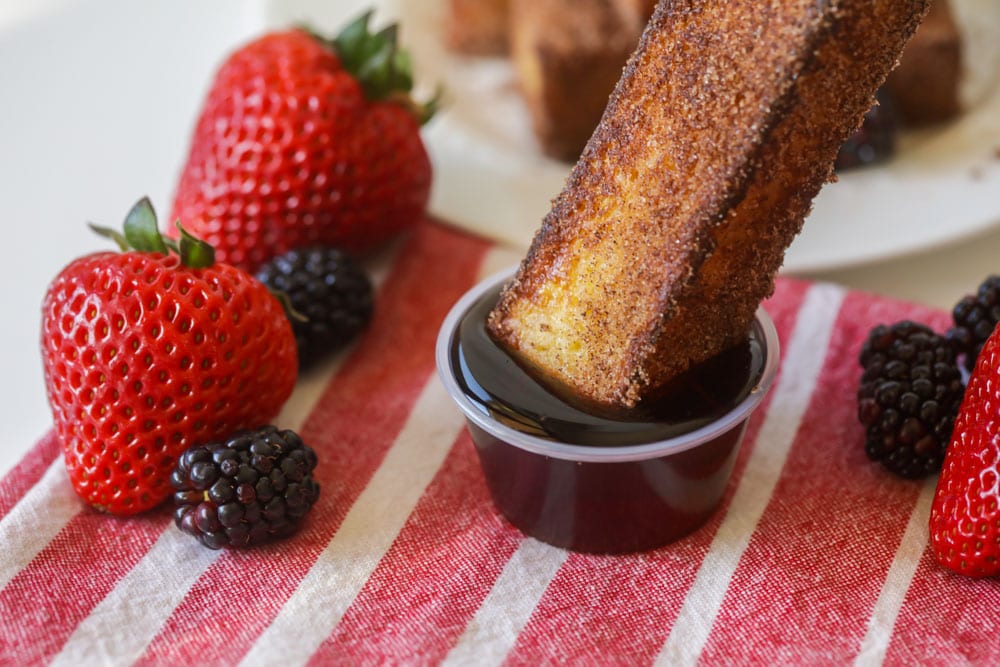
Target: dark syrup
(603, 507)
(504, 390)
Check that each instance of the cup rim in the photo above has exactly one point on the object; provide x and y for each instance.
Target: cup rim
(590, 453)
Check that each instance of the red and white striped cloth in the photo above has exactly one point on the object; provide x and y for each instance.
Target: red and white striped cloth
(816, 557)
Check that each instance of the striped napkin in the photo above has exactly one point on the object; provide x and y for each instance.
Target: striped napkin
(816, 557)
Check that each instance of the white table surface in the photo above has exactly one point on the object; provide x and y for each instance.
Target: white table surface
(98, 98)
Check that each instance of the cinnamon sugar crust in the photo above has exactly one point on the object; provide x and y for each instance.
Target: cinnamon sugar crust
(675, 220)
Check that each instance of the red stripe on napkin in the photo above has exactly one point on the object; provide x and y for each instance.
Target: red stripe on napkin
(810, 576)
(444, 562)
(352, 426)
(624, 606)
(28, 471)
(946, 619)
(45, 601)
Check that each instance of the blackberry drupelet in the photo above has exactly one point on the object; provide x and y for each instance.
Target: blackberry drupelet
(252, 488)
(908, 398)
(975, 317)
(875, 140)
(326, 286)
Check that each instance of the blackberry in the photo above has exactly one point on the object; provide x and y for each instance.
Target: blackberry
(975, 317)
(875, 140)
(908, 398)
(252, 488)
(326, 286)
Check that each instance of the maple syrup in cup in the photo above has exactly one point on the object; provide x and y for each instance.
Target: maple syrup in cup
(586, 482)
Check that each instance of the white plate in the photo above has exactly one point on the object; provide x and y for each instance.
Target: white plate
(942, 186)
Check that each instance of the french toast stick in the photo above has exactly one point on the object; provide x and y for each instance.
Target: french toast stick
(674, 221)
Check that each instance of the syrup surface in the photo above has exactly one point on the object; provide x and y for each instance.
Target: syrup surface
(501, 388)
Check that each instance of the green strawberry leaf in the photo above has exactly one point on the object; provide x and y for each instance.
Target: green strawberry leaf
(427, 110)
(381, 67)
(353, 42)
(193, 251)
(402, 69)
(375, 74)
(141, 230)
(291, 312)
(112, 234)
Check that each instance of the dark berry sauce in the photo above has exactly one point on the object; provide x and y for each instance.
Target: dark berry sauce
(606, 507)
(503, 389)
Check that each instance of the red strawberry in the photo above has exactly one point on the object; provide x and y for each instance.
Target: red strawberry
(965, 515)
(303, 141)
(147, 353)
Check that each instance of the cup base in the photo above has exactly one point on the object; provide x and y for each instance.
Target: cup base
(607, 508)
(629, 496)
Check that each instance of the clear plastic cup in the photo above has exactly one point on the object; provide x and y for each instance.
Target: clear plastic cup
(598, 499)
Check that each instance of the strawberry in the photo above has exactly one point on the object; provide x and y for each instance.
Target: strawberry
(303, 141)
(152, 350)
(965, 514)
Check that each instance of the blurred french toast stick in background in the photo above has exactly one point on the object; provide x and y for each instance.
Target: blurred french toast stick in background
(567, 60)
(477, 27)
(951, 65)
(925, 85)
(674, 221)
(567, 55)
